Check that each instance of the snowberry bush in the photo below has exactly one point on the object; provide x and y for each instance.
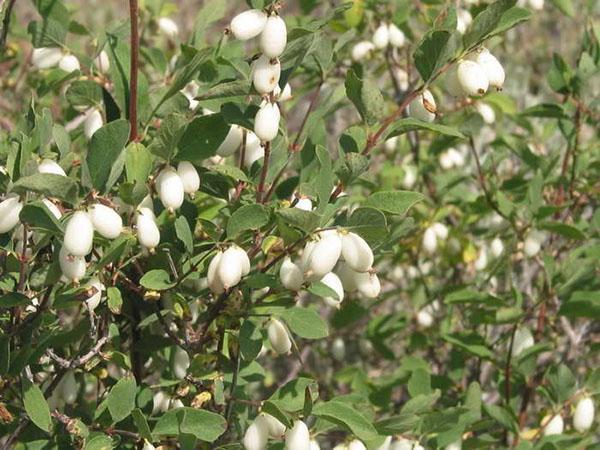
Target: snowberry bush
(299, 225)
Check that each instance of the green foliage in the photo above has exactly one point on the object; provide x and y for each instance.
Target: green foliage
(475, 314)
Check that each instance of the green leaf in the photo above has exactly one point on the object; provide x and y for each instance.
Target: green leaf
(229, 171)
(306, 221)
(320, 289)
(403, 126)
(581, 304)
(419, 383)
(471, 343)
(370, 223)
(49, 33)
(227, 89)
(435, 49)
(157, 280)
(105, 150)
(393, 202)
(503, 416)
(204, 425)
(84, 93)
(141, 424)
(247, 217)
(305, 322)
(397, 424)
(184, 233)
(250, 339)
(567, 231)
(496, 18)
(290, 396)
(114, 300)
(353, 165)
(37, 215)
(36, 405)
(421, 403)
(201, 138)
(49, 185)
(348, 417)
(272, 408)
(121, 398)
(171, 129)
(366, 97)
(99, 442)
(14, 299)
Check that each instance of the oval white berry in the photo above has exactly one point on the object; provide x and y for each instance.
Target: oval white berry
(168, 27)
(212, 276)
(486, 112)
(72, 267)
(230, 268)
(492, 68)
(69, 388)
(248, 24)
(106, 221)
(381, 37)
(266, 122)
(273, 37)
(10, 208)
(452, 84)
(368, 284)
(410, 177)
(290, 275)
(332, 281)
(254, 149)
(429, 240)
(189, 177)
(52, 207)
(181, 363)
(49, 166)
(92, 123)
(532, 244)
(170, 188)
(356, 445)
(388, 440)
(425, 317)
(338, 349)
(454, 446)
(472, 78)
(79, 234)
(278, 337)
(265, 74)
(347, 276)
(298, 437)
(314, 445)
(69, 63)
(242, 258)
(362, 51)
(46, 57)
(356, 252)
(553, 425)
(93, 300)
(522, 341)
(396, 35)
(537, 5)
(497, 247)
(463, 20)
(257, 434)
(440, 230)
(304, 203)
(102, 62)
(322, 256)
(160, 402)
(584, 414)
(148, 233)
(283, 95)
(423, 107)
(276, 428)
(232, 141)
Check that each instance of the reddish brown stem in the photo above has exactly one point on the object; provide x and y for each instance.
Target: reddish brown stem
(133, 74)
(260, 198)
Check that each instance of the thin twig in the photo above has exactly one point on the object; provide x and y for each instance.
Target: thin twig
(133, 74)
(260, 198)
(6, 23)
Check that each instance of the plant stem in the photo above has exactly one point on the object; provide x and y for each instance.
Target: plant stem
(263, 175)
(133, 74)
(6, 23)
